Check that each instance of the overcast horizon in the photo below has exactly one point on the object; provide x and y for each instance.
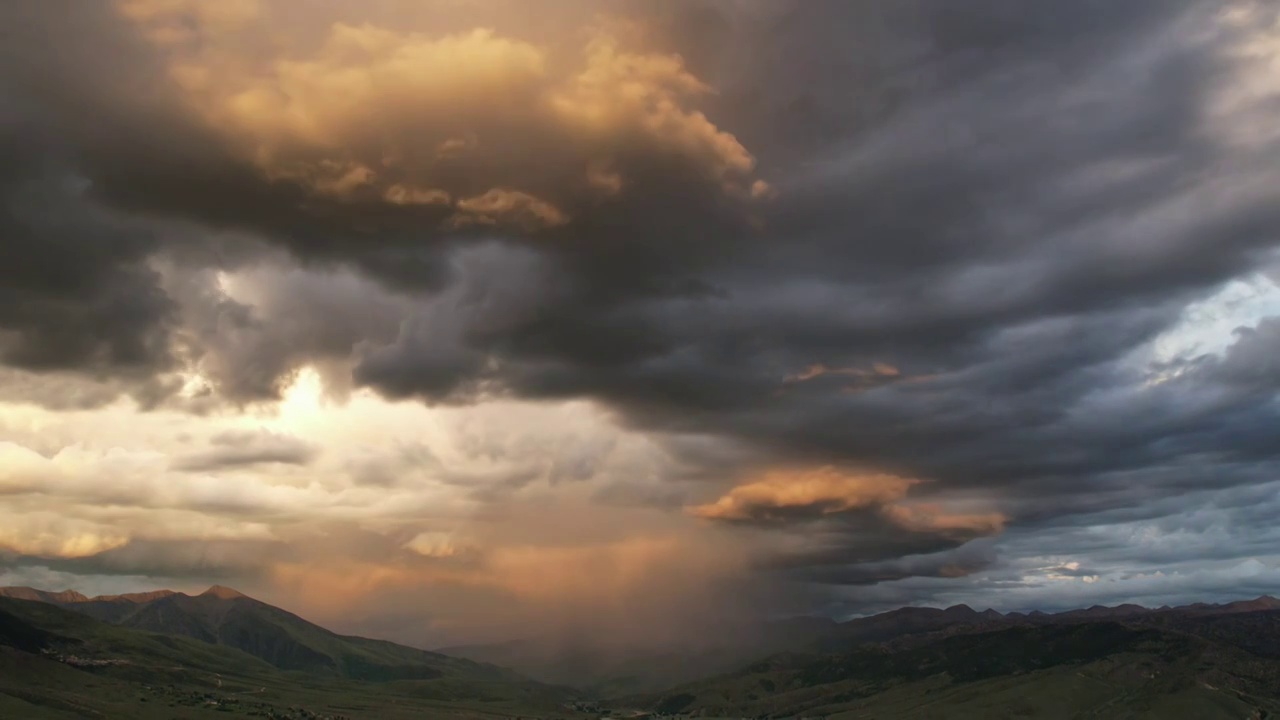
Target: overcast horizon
(441, 321)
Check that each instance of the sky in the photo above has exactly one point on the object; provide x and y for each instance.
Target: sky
(442, 321)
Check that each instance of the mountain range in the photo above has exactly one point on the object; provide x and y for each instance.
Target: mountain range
(223, 616)
(63, 654)
(604, 670)
(1196, 661)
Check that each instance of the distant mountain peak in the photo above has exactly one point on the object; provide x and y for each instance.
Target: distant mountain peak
(26, 593)
(1263, 602)
(223, 593)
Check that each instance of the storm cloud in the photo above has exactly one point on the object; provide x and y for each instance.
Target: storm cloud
(907, 302)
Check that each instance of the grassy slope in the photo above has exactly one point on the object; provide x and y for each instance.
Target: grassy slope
(285, 640)
(177, 677)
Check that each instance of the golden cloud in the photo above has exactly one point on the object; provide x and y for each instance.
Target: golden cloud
(507, 207)
(168, 22)
(620, 90)
(822, 491)
(779, 495)
(498, 129)
(48, 535)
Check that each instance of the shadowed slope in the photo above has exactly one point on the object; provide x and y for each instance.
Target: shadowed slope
(223, 616)
(1087, 669)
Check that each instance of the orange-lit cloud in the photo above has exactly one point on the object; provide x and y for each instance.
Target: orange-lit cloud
(508, 207)
(167, 22)
(621, 90)
(503, 130)
(822, 491)
(806, 494)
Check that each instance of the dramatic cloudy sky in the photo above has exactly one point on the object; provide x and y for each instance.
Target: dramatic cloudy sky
(434, 320)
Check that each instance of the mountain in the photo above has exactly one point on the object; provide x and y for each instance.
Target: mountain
(1197, 661)
(56, 663)
(222, 616)
(110, 608)
(603, 670)
(1203, 661)
(923, 623)
(26, 593)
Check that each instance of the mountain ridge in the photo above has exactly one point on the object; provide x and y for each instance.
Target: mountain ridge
(1094, 668)
(59, 663)
(548, 659)
(227, 617)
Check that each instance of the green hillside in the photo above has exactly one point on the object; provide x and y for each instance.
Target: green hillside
(222, 616)
(55, 663)
(288, 642)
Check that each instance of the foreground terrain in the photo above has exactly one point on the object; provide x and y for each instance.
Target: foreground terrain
(234, 655)
(221, 654)
(1086, 670)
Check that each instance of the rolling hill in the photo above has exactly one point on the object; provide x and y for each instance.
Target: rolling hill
(59, 663)
(222, 616)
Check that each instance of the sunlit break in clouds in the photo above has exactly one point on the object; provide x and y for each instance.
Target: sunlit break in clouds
(445, 320)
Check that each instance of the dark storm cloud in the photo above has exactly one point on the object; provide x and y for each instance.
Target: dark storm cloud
(247, 346)
(157, 156)
(1206, 546)
(74, 290)
(952, 563)
(1003, 202)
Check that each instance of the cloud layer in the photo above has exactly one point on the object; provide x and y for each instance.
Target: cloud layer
(823, 306)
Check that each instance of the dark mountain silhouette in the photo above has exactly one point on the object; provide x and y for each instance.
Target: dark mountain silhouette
(915, 622)
(223, 616)
(59, 663)
(1197, 661)
(1202, 660)
(26, 593)
(1092, 668)
(607, 671)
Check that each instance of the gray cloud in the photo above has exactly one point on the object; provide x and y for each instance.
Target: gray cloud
(230, 450)
(172, 560)
(960, 562)
(1004, 203)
